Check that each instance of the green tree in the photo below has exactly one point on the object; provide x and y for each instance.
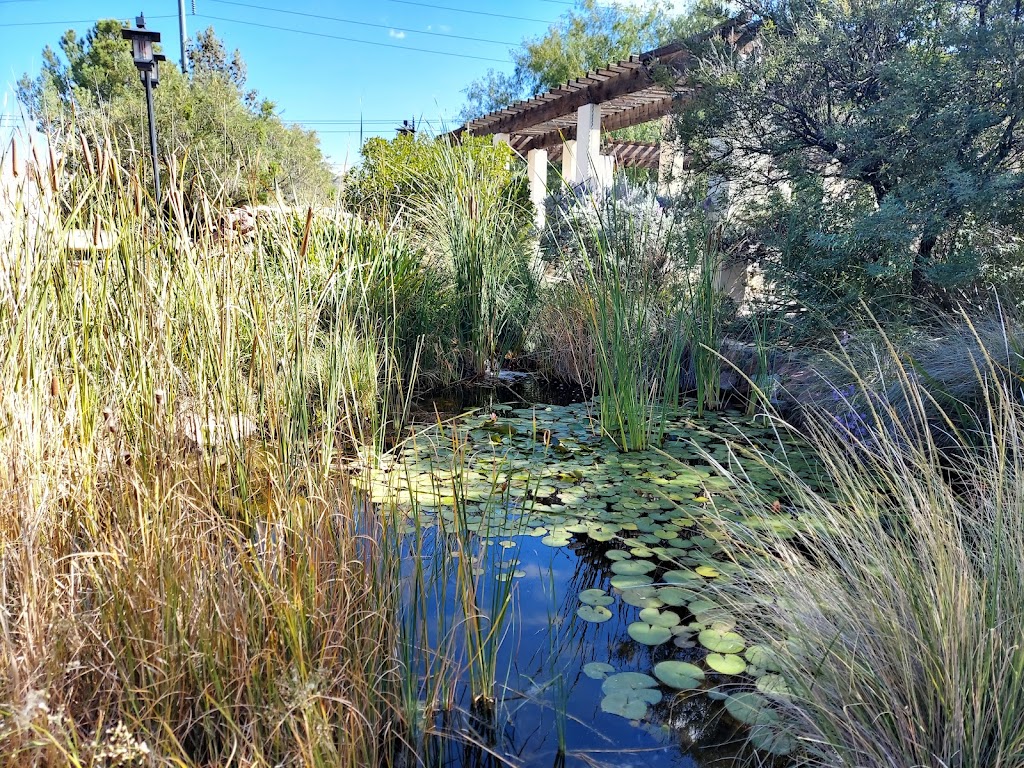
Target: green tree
(224, 139)
(897, 126)
(583, 39)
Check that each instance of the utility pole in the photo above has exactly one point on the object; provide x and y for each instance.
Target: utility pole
(184, 36)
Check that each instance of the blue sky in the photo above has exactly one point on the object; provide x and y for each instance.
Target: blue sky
(326, 83)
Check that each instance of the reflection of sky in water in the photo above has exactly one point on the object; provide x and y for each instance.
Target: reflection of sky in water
(540, 681)
(545, 644)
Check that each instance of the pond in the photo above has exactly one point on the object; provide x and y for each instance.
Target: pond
(559, 597)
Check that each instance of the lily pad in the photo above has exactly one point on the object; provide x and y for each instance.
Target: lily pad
(631, 705)
(726, 663)
(721, 642)
(627, 580)
(628, 681)
(647, 634)
(657, 618)
(770, 739)
(595, 597)
(679, 674)
(632, 567)
(597, 670)
(594, 613)
(751, 709)
(774, 686)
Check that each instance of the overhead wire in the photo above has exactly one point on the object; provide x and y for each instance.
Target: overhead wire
(362, 23)
(352, 39)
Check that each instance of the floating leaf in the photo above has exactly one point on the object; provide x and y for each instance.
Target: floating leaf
(597, 670)
(625, 580)
(595, 597)
(648, 634)
(628, 681)
(768, 738)
(751, 709)
(721, 642)
(774, 686)
(594, 613)
(726, 663)
(679, 674)
(657, 618)
(632, 567)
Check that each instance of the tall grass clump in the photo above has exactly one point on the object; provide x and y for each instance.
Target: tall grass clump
(895, 608)
(474, 221)
(185, 577)
(634, 322)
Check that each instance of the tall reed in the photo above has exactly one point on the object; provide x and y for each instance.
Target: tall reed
(185, 577)
(896, 609)
(636, 325)
(476, 223)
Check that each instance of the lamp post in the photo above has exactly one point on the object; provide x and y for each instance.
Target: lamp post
(147, 62)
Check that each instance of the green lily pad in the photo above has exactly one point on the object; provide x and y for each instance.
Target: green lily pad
(764, 657)
(628, 681)
(647, 634)
(632, 567)
(751, 709)
(595, 597)
(597, 670)
(726, 663)
(774, 686)
(642, 597)
(679, 674)
(627, 580)
(593, 613)
(707, 572)
(771, 739)
(631, 705)
(681, 577)
(721, 642)
(657, 618)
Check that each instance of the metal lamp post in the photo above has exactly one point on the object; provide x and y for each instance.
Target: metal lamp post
(147, 62)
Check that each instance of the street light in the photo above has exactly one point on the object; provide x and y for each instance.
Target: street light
(147, 62)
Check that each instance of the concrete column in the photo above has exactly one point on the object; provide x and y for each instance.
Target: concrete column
(606, 171)
(588, 138)
(537, 174)
(569, 162)
(500, 138)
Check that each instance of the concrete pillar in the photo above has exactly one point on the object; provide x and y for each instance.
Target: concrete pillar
(588, 142)
(569, 162)
(605, 171)
(537, 174)
(500, 138)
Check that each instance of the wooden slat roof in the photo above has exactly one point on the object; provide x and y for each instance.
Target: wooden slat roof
(635, 154)
(636, 90)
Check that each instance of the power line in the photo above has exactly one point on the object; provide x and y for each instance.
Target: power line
(466, 10)
(71, 21)
(364, 23)
(353, 39)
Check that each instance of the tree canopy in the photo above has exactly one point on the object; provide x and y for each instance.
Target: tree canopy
(583, 39)
(223, 137)
(896, 127)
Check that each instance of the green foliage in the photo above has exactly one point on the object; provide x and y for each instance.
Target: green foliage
(901, 588)
(897, 126)
(221, 136)
(585, 38)
(394, 171)
(475, 222)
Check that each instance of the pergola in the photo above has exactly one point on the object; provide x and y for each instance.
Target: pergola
(567, 121)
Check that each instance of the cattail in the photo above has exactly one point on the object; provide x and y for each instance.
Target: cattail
(158, 398)
(53, 168)
(54, 386)
(14, 158)
(86, 152)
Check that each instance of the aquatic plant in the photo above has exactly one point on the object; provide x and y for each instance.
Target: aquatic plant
(894, 608)
(636, 337)
(185, 572)
(476, 223)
